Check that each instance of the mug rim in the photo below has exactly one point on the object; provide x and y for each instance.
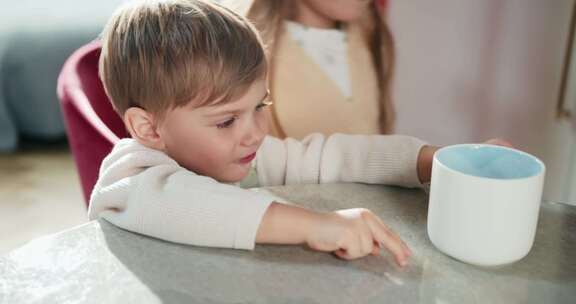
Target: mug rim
(541, 164)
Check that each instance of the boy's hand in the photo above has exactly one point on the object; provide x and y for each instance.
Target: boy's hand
(354, 233)
(350, 233)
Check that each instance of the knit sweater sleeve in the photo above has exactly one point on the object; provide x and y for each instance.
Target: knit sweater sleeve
(145, 191)
(372, 159)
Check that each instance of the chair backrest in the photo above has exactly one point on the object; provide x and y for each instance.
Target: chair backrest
(92, 125)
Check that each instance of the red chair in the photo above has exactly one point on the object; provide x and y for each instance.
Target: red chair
(92, 125)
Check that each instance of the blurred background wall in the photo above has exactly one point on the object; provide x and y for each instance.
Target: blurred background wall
(471, 70)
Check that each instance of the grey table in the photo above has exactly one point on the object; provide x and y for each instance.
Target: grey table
(99, 263)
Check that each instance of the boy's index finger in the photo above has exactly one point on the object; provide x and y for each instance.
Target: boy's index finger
(388, 239)
(389, 231)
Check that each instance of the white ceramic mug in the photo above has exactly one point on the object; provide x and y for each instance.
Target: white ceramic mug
(484, 203)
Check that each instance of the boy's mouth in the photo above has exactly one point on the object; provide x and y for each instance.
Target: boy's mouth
(248, 158)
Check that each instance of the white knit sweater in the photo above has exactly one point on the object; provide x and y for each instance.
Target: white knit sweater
(145, 191)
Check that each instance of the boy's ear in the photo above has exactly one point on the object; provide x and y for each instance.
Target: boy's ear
(142, 126)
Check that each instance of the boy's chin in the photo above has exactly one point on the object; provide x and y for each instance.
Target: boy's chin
(235, 177)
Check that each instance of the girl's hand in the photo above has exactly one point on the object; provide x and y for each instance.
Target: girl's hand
(355, 233)
(426, 157)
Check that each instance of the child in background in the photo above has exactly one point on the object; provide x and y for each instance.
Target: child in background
(189, 80)
(333, 57)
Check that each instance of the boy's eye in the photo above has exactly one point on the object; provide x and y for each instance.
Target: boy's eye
(226, 124)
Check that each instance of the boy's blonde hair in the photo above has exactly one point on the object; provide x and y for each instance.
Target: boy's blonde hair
(159, 55)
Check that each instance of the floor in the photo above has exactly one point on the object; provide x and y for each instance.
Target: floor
(39, 193)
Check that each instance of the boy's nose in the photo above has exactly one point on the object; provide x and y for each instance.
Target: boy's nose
(254, 135)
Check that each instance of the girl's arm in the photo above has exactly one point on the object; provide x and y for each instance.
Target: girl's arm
(372, 159)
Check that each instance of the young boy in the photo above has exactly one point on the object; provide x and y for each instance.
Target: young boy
(189, 80)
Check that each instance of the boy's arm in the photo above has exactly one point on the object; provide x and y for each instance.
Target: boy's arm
(285, 224)
(349, 234)
(144, 191)
(373, 159)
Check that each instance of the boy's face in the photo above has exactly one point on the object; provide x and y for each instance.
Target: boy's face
(218, 141)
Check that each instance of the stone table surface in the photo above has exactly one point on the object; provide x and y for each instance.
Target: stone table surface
(100, 263)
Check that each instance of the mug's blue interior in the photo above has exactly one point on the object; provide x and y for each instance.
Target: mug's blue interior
(489, 161)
